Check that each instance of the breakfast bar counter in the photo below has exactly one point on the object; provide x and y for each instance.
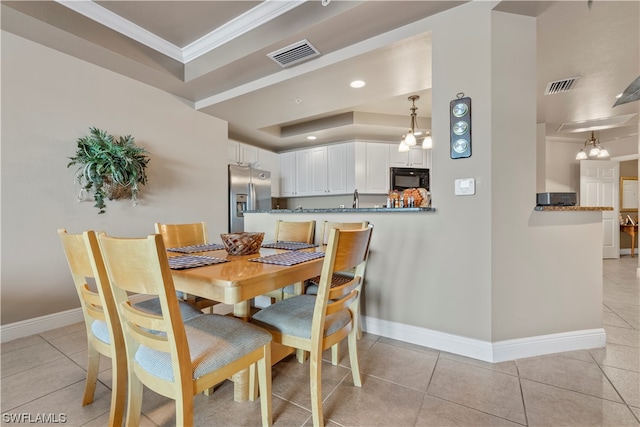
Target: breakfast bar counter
(343, 210)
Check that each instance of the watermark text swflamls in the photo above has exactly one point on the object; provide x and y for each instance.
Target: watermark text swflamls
(28, 418)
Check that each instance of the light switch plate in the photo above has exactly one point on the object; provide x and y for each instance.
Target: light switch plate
(465, 187)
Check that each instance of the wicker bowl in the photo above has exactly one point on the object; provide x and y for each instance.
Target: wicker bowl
(242, 243)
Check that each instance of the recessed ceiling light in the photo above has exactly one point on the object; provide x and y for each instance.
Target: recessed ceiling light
(311, 137)
(357, 84)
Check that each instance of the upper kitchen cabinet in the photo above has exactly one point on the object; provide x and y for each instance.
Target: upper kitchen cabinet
(268, 160)
(416, 157)
(295, 173)
(372, 167)
(329, 170)
(318, 171)
(245, 154)
(240, 153)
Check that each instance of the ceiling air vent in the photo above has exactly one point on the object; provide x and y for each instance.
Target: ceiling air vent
(295, 53)
(560, 86)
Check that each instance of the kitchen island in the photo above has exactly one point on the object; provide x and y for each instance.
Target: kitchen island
(436, 282)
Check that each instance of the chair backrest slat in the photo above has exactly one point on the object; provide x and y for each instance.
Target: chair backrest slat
(327, 226)
(334, 306)
(180, 235)
(340, 291)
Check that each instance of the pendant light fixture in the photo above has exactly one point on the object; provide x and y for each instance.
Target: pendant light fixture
(409, 139)
(592, 148)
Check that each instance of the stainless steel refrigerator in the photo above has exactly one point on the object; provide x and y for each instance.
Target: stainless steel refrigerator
(249, 189)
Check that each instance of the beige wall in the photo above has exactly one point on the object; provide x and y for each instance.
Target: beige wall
(49, 100)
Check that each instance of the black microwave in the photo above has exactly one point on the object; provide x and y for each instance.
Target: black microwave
(403, 178)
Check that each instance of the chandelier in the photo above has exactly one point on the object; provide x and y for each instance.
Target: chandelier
(592, 148)
(409, 139)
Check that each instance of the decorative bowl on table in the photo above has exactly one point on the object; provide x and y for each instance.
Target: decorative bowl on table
(242, 243)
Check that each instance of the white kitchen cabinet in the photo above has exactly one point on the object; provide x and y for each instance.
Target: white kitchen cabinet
(295, 173)
(318, 171)
(232, 152)
(416, 157)
(376, 168)
(337, 168)
(328, 170)
(372, 167)
(268, 160)
(287, 176)
(248, 154)
(303, 173)
(240, 153)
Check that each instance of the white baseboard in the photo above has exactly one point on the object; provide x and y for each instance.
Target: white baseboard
(498, 351)
(40, 324)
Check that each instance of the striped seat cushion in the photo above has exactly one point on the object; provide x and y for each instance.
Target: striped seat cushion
(293, 316)
(214, 342)
(99, 327)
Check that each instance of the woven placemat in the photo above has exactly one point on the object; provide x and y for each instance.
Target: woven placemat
(289, 258)
(197, 248)
(289, 246)
(191, 261)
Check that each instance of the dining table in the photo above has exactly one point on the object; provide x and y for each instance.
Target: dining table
(238, 279)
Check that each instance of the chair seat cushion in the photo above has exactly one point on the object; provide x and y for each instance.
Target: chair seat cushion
(293, 316)
(214, 342)
(100, 330)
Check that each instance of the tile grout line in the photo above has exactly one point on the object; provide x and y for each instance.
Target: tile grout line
(524, 404)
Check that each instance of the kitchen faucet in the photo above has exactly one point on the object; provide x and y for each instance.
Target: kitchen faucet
(356, 200)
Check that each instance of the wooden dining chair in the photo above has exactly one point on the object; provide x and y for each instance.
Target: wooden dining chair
(315, 323)
(292, 231)
(181, 235)
(172, 357)
(295, 231)
(338, 278)
(104, 334)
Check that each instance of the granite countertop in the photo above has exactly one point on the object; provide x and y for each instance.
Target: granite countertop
(573, 208)
(354, 210)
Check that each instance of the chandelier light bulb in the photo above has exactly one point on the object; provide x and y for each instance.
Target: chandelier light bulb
(403, 147)
(410, 140)
(427, 142)
(581, 155)
(603, 153)
(594, 152)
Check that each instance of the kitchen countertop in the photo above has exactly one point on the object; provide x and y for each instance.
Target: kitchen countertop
(573, 208)
(326, 210)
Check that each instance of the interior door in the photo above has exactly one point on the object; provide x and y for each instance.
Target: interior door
(599, 186)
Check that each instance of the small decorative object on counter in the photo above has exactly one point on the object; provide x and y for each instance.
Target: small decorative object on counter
(412, 197)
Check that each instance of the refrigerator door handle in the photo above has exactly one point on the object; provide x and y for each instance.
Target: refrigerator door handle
(252, 197)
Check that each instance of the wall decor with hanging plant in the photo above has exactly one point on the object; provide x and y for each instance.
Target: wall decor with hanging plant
(109, 168)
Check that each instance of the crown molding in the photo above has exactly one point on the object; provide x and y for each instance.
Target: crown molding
(259, 15)
(242, 24)
(123, 26)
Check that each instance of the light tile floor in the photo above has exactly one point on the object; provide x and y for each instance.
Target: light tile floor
(403, 384)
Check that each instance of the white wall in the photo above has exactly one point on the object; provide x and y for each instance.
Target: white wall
(50, 99)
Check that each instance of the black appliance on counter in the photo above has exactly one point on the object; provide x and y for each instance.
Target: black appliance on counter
(404, 178)
(556, 199)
